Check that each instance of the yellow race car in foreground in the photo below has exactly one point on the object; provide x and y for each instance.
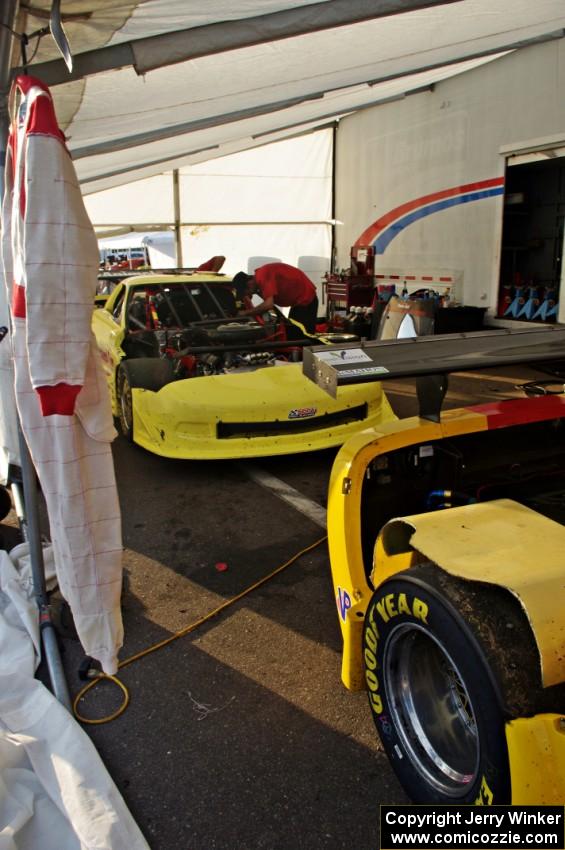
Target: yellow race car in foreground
(191, 379)
(447, 541)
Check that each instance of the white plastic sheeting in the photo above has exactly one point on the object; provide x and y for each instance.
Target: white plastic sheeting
(288, 182)
(156, 144)
(273, 203)
(134, 204)
(55, 793)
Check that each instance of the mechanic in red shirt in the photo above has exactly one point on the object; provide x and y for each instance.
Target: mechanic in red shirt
(283, 285)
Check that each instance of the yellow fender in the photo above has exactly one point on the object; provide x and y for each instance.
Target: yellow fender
(351, 586)
(500, 542)
(536, 749)
(504, 543)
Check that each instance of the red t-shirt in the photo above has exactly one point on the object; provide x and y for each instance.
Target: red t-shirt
(288, 285)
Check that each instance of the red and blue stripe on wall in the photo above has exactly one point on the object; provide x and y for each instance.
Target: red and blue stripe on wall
(381, 233)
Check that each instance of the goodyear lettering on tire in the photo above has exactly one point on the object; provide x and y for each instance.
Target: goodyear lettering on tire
(486, 797)
(387, 609)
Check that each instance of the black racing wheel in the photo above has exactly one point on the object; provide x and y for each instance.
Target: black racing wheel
(125, 402)
(146, 373)
(434, 697)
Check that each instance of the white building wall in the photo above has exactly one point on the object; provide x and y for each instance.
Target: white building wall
(438, 140)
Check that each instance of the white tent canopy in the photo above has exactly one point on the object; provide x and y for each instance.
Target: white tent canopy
(160, 89)
(165, 83)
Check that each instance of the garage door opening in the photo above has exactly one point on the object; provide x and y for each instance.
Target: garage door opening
(531, 267)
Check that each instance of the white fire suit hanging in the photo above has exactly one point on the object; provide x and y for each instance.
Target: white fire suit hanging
(50, 259)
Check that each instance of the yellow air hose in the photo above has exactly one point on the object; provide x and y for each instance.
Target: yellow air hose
(99, 676)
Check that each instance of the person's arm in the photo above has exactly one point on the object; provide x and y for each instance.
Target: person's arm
(263, 307)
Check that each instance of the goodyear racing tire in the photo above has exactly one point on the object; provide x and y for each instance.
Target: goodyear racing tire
(146, 373)
(434, 697)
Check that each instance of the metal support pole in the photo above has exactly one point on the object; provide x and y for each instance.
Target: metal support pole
(33, 528)
(333, 257)
(27, 507)
(8, 13)
(176, 199)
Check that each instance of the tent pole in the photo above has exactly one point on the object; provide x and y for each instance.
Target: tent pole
(333, 257)
(176, 199)
(33, 534)
(30, 514)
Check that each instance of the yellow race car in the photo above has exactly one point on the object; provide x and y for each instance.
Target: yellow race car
(446, 536)
(189, 378)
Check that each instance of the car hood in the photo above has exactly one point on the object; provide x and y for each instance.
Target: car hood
(277, 389)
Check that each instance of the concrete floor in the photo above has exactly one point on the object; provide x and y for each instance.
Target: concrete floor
(240, 735)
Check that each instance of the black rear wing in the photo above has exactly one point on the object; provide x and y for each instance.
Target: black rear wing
(430, 359)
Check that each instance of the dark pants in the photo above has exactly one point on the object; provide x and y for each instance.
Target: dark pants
(306, 314)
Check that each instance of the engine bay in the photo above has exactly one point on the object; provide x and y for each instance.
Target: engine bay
(199, 329)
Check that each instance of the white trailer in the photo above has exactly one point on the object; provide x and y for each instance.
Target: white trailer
(461, 185)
